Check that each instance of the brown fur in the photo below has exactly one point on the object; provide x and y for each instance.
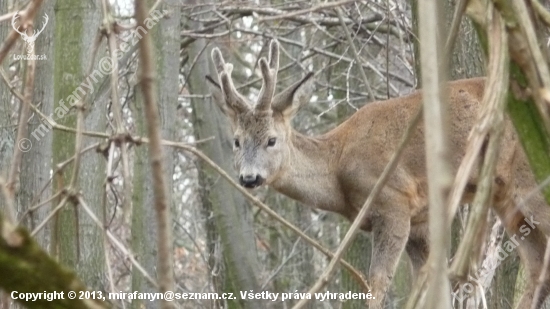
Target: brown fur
(336, 171)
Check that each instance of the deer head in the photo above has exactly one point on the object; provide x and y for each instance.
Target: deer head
(261, 131)
(27, 38)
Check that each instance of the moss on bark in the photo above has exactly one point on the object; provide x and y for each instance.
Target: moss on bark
(26, 268)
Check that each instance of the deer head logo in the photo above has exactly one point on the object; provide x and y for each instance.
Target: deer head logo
(29, 39)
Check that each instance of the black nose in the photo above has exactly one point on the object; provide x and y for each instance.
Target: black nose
(250, 181)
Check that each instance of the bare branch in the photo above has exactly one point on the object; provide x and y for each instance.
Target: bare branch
(164, 222)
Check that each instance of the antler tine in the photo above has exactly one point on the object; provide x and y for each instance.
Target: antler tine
(45, 23)
(13, 19)
(274, 55)
(233, 98)
(285, 97)
(217, 58)
(269, 75)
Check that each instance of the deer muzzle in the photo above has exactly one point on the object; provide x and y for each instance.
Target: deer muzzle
(251, 181)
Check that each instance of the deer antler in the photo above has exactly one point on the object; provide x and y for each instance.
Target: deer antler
(269, 74)
(13, 19)
(37, 32)
(233, 98)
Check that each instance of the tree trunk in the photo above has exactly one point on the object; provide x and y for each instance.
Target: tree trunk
(35, 168)
(6, 134)
(68, 28)
(76, 239)
(143, 228)
(222, 204)
(91, 265)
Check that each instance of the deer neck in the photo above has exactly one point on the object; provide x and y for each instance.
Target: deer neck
(310, 175)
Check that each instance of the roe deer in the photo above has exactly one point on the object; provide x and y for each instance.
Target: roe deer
(337, 170)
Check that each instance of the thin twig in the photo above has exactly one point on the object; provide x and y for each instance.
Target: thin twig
(355, 54)
(109, 24)
(305, 11)
(116, 242)
(460, 7)
(542, 276)
(108, 172)
(541, 11)
(51, 214)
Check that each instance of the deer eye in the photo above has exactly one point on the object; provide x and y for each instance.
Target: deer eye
(237, 144)
(271, 142)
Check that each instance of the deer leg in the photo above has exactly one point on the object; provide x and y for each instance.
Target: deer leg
(526, 230)
(389, 238)
(418, 246)
(531, 250)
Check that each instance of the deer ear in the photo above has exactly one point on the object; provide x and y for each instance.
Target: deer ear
(218, 98)
(290, 100)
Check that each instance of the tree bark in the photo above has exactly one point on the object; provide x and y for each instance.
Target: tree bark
(228, 213)
(6, 135)
(35, 168)
(69, 27)
(91, 265)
